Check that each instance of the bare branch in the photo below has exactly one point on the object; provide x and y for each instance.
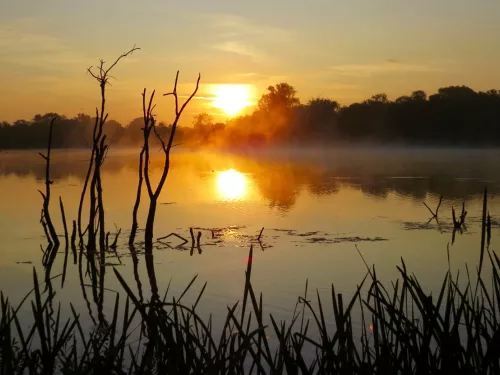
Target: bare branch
(163, 147)
(46, 196)
(43, 195)
(102, 77)
(191, 96)
(175, 235)
(89, 70)
(153, 197)
(174, 91)
(148, 124)
(150, 110)
(144, 104)
(434, 214)
(260, 234)
(121, 57)
(114, 244)
(192, 237)
(179, 113)
(99, 154)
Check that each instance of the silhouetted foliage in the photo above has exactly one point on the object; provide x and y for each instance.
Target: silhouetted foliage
(444, 118)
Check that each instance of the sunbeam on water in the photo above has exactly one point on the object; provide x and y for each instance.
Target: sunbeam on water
(231, 185)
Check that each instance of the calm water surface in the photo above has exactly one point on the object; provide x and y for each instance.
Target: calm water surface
(315, 206)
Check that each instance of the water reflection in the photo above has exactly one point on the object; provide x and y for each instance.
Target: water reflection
(280, 183)
(280, 179)
(231, 185)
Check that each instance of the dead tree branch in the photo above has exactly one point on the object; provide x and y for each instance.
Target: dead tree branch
(63, 215)
(178, 113)
(102, 74)
(198, 243)
(99, 152)
(434, 213)
(44, 226)
(73, 234)
(48, 226)
(73, 243)
(198, 238)
(148, 120)
(184, 241)
(166, 147)
(260, 234)
(192, 237)
(459, 224)
(115, 242)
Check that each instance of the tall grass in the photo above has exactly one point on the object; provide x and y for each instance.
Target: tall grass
(400, 329)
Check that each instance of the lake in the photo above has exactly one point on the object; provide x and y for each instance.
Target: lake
(317, 208)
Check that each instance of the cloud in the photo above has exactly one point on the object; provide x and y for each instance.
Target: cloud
(249, 74)
(22, 45)
(391, 66)
(240, 49)
(242, 36)
(337, 86)
(242, 27)
(198, 97)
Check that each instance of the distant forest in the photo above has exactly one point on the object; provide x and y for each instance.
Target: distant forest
(455, 115)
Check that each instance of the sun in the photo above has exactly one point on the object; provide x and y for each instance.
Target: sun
(231, 184)
(231, 98)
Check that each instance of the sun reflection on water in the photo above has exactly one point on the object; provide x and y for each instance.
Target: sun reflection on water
(231, 184)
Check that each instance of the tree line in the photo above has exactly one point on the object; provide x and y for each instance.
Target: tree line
(455, 115)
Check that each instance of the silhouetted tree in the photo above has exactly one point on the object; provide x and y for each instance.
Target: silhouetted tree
(322, 116)
(281, 96)
(378, 99)
(202, 121)
(445, 118)
(419, 95)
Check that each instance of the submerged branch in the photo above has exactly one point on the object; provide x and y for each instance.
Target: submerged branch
(184, 241)
(434, 213)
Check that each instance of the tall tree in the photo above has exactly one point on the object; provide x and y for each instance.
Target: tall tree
(279, 97)
(202, 121)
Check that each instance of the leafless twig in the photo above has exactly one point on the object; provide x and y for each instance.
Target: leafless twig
(434, 214)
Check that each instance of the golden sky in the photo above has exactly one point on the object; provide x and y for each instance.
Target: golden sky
(346, 50)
